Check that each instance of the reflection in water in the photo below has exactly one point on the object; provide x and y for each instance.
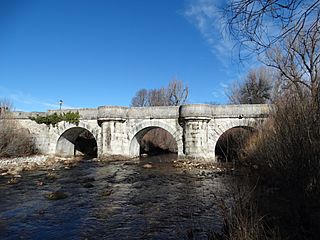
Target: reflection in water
(115, 200)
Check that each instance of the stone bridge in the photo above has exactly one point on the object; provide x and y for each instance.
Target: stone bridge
(196, 128)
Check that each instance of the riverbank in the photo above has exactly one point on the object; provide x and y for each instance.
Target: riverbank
(14, 166)
(188, 164)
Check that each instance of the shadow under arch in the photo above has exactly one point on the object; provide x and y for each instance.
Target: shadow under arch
(142, 129)
(230, 143)
(77, 141)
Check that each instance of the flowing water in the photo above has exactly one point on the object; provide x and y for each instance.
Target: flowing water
(113, 200)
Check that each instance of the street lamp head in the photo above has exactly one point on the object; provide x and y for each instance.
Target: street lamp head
(60, 103)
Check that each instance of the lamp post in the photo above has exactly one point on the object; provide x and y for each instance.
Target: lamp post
(60, 103)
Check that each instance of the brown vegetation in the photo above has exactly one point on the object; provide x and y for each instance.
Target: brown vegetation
(285, 155)
(230, 144)
(242, 219)
(15, 141)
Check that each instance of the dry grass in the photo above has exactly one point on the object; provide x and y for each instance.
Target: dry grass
(286, 153)
(15, 141)
(242, 219)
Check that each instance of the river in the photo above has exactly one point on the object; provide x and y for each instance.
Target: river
(113, 200)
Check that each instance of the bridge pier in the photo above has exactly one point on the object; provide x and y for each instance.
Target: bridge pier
(196, 138)
(195, 120)
(113, 136)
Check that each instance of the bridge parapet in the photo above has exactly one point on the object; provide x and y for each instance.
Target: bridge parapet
(159, 112)
(23, 115)
(112, 113)
(243, 110)
(197, 111)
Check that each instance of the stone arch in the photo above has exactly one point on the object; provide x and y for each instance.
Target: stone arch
(139, 130)
(221, 130)
(76, 141)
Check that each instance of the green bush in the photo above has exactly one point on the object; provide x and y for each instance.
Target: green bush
(53, 119)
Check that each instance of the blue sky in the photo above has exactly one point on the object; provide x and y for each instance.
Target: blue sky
(100, 52)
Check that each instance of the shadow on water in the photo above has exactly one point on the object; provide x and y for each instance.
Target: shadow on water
(114, 200)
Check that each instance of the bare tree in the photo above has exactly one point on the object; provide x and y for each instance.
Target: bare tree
(287, 33)
(5, 106)
(173, 95)
(177, 92)
(140, 99)
(259, 24)
(298, 63)
(256, 88)
(158, 97)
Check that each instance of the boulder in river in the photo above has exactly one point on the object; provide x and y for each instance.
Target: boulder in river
(56, 195)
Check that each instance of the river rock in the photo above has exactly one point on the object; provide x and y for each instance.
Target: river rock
(107, 192)
(56, 195)
(147, 165)
(12, 181)
(87, 185)
(51, 176)
(86, 180)
(40, 183)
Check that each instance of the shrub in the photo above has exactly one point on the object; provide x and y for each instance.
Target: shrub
(287, 154)
(230, 144)
(15, 141)
(242, 220)
(53, 119)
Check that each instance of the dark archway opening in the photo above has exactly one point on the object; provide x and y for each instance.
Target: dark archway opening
(86, 145)
(230, 145)
(157, 141)
(77, 141)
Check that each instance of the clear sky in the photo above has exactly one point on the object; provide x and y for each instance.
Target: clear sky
(100, 52)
